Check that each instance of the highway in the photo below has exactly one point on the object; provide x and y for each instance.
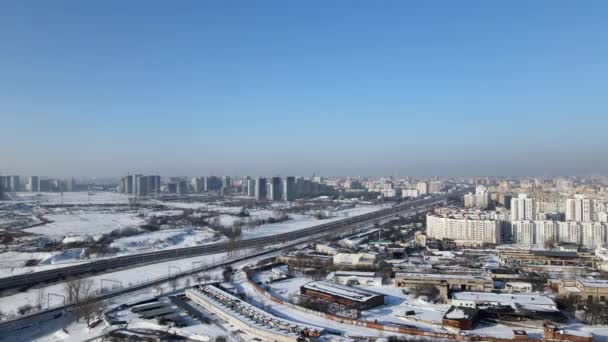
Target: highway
(102, 265)
(294, 238)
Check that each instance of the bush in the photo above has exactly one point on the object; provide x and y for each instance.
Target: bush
(24, 309)
(227, 273)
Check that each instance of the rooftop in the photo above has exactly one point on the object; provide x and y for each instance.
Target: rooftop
(530, 302)
(443, 276)
(349, 292)
(593, 282)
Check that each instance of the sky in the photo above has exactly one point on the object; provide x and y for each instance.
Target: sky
(449, 88)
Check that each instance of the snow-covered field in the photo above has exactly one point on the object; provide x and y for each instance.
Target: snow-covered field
(164, 239)
(82, 197)
(85, 222)
(299, 221)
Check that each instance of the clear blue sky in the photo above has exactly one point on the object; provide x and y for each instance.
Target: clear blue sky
(285, 87)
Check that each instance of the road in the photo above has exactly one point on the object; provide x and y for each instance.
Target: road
(294, 238)
(102, 265)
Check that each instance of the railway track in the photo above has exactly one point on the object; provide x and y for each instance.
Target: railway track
(297, 237)
(30, 279)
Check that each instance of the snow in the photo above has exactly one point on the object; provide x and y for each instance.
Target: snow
(456, 314)
(349, 292)
(82, 222)
(302, 317)
(300, 221)
(427, 315)
(532, 302)
(82, 197)
(12, 263)
(165, 239)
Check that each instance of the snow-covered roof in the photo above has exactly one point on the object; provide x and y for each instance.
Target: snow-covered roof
(593, 282)
(443, 276)
(456, 314)
(354, 274)
(530, 302)
(349, 292)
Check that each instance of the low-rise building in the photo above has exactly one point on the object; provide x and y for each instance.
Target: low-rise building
(586, 289)
(519, 257)
(355, 278)
(445, 282)
(344, 295)
(355, 259)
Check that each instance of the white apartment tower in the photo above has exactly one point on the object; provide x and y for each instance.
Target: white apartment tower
(523, 208)
(580, 209)
(423, 188)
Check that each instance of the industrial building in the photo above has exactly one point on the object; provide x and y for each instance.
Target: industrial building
(518, 257)
(344, 295)
(445, 282)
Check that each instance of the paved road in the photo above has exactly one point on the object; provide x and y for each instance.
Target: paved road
(29, 279)
(297, 237)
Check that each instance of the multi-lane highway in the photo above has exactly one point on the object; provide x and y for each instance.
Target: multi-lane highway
(296, 237)
(29, 279)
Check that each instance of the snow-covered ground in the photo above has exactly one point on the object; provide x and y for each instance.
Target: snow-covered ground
(165, 239)
(82, 197)
(298, 316)
(300, 221)
(428, 316)
(85, 222)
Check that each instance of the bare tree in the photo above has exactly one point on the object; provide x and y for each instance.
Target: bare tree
(39, 299)
(77, 289)
(90, 309)
(173, 283)
(550, 243)
(80, 292)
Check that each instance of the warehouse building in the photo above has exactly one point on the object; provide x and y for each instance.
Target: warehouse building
(343, 295)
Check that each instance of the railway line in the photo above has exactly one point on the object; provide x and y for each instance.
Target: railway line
(296, 237)
(30, 279)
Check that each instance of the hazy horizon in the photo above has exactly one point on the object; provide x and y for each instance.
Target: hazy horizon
(471, 88)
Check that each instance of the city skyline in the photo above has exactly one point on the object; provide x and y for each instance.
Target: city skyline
(339, 89)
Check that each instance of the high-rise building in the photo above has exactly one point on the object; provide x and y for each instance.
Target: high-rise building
(464, 231)
(141, 185)
(260, 188)
(251, 187)
(10, 183)
(580, 209)
(198, 184)
(33, 185)
(274, 189)
(154, 184)
(44, 185)
(213, 183)
(289, 188)
(182, 187)
(129, 182)
(423, 188)
(523, 208)
(226, 182)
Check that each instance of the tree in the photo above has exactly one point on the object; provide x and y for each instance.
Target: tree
(24, 309)
(430, 291)
(80, 292)
(550, 243)
(77, 289)
(227, 273)
(39, 299)
(90, 310)
(567, 303)
(173, 283)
